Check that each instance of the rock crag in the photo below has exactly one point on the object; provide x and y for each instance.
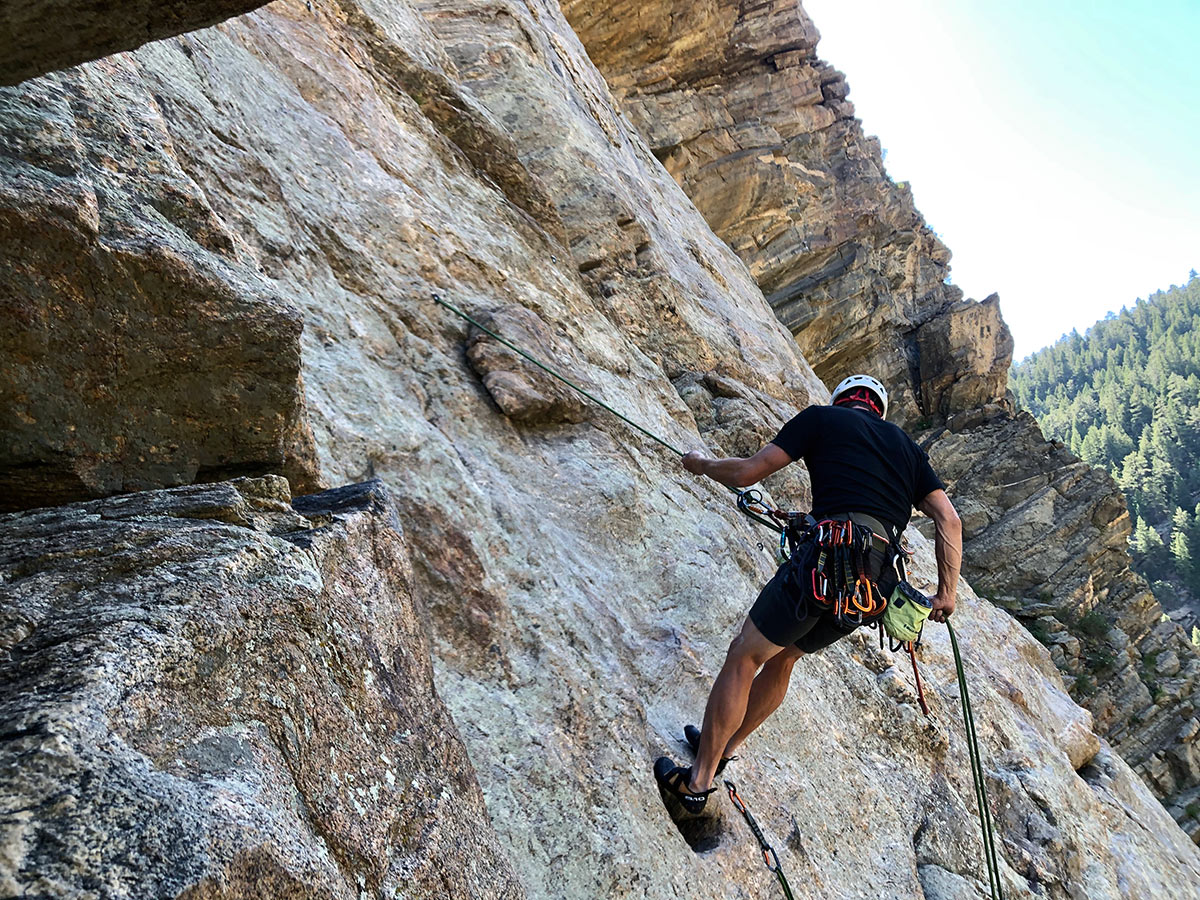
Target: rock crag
(761, 135)
(142, 346)
(40, 36)
(1049, 535)
(578, 588)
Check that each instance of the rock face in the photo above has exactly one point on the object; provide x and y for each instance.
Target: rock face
(760, 134)
(39, 36)
(580, 588)
(1049, 535)
(964, 355)
(142, 346)
(208, 695)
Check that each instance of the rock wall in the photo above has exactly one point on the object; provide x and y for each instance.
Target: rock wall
(761, 135)
(143, 347)
(579, 588)
(208, 695)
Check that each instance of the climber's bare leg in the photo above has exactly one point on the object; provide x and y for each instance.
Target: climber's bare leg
(727, 703)
(766, 693)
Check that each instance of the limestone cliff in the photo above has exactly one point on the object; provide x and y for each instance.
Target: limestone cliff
(578, 588)
(761, 135)
(209, 695)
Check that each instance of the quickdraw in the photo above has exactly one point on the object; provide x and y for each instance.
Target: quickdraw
(840, 578)
(770, 857)
(751, 504)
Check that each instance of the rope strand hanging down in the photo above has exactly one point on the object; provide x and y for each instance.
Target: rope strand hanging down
(985, 815)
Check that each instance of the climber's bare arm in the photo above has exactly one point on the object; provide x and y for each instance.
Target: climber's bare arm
(738, 472)
(947, 546)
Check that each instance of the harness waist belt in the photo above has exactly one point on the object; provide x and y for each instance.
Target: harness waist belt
(880, 528)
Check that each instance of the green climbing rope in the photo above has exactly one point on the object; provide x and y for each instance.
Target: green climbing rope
(628, 421)
(985, 816)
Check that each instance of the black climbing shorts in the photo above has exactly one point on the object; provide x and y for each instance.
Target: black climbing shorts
(784, 617)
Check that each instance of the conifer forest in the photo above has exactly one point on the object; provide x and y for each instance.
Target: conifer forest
(1125, 395)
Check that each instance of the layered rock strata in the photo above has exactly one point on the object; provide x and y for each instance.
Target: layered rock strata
(761, 135)
(209, 695)
(581, 588)
(759, 132)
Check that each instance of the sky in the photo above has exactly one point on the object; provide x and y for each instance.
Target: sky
(1054, 146)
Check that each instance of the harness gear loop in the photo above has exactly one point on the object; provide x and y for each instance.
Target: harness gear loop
(770, 857)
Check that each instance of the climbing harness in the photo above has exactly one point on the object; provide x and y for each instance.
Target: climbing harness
(770, 858)
(985, 815)
(840, 579)
(754, 509)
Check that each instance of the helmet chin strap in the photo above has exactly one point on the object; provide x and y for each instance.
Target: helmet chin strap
(860, 396)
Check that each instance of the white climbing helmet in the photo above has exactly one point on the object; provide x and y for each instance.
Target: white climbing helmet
(862, 381)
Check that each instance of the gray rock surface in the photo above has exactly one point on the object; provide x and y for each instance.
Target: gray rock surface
(207, 695)
(142, 347)
(580, 588)
(39, 36)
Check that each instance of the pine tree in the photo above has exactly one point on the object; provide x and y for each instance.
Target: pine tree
(1149, 549)
(1125, 395)
(1181, 551)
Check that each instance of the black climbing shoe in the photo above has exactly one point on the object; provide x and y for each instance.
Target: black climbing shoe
(673, 780)
(691, 734)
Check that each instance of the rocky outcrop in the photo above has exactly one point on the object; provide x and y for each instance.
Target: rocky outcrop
(580, 588)
(1048, 537)
(142, 346)
(209, 695)
(760, 134)
(964, 355)
(39, 36)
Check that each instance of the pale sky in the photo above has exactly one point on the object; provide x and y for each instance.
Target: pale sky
(1054, 146)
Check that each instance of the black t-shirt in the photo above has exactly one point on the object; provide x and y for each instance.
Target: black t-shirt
(859, 463)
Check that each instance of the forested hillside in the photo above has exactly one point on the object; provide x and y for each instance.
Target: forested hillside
(1126, 396)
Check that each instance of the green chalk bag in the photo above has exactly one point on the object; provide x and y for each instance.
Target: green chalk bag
(906, 612)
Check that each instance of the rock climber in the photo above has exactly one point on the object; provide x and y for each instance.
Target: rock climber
(863, 469)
